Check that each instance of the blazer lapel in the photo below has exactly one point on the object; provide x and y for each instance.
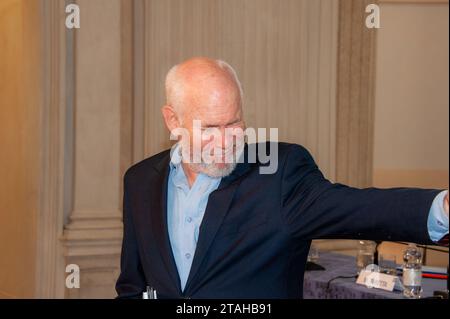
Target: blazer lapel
(158, 200)
(218, 205)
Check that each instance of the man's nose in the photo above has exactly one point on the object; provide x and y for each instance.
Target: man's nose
(224, 142)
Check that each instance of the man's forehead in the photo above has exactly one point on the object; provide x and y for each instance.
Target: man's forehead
(211, 103)
(212, 117)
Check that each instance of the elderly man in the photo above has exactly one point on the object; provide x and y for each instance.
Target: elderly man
(222, 229)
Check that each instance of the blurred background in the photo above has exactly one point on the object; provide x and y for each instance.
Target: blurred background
(79, 106)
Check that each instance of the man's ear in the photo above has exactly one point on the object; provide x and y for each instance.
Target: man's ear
(170, 117)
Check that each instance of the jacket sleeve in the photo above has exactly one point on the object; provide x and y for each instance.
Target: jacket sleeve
(315, 208)
(131, 282)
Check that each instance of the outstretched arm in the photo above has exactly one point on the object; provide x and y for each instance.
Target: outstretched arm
(313, 207)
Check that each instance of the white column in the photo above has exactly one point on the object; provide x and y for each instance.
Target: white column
(93, 236)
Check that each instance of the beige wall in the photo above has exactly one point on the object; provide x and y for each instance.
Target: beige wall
(411, 145)
(284, 52)
(411, 114)
(19, 140)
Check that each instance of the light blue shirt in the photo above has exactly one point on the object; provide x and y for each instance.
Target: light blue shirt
(186, 207)
(438, 219)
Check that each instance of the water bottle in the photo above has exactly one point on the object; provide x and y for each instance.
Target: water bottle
(412, 272)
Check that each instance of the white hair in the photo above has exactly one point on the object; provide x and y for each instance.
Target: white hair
(174, 83)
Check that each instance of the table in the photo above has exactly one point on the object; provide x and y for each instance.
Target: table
(316, 282)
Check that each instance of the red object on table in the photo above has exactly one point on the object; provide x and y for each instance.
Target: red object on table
(435, 276)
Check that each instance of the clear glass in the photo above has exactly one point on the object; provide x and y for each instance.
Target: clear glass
(387, 264)
(365, 254)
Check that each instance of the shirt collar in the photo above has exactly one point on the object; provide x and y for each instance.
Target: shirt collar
(175, 156)
(176, 170)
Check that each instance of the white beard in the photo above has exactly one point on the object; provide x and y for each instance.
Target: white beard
(212, 170)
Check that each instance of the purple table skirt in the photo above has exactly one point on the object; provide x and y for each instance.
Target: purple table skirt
(316, 283)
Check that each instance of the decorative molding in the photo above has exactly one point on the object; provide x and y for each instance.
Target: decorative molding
(98, 275)
(127, 85)
(49, 262)
(138, 80)
(88, 220)
(93, 236)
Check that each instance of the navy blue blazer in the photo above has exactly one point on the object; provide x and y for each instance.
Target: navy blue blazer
(257, 229)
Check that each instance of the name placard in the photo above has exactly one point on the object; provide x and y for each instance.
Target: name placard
(374, 279)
